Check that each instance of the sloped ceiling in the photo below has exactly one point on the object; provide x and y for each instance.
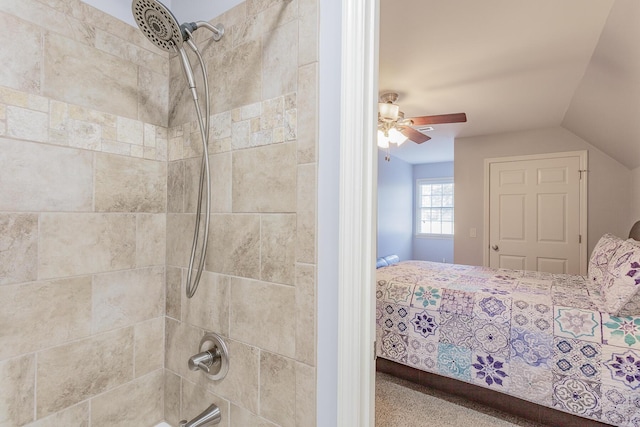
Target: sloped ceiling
(605, 109)
(515, 65)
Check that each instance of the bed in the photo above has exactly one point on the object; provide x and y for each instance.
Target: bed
(571, 343)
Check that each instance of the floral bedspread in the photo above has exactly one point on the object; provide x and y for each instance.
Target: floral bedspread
(536, 336)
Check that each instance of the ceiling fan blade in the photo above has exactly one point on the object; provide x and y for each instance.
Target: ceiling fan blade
(414, 135)
(440, 119)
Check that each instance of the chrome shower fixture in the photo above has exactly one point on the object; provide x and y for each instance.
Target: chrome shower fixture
(161, 27)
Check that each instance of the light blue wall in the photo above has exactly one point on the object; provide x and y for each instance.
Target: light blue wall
(395, 207)
(432, 249)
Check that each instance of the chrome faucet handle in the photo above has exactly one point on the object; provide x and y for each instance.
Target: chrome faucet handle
(205, 360)
(213, 358)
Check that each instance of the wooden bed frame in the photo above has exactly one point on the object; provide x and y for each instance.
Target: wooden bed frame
(493, 399)
(500, 401)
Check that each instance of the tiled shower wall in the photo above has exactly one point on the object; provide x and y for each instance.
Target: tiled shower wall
(83, 147)
(258, 290)
(95, 169)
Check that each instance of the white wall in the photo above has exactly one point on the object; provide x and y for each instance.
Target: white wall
(184, 10)
(395, 207)
(609, 184)
(329, 72)
(635, 195)
(432, 249)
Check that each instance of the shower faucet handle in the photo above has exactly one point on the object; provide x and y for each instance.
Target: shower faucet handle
(213, 359)
(205, 360)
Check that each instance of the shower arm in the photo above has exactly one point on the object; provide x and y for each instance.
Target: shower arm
(216, 30)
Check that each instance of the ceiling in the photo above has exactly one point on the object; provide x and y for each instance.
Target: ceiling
(515, 65)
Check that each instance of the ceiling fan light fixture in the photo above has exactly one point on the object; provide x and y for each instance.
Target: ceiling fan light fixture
(383, 140)
(396, 137)
(388, 112)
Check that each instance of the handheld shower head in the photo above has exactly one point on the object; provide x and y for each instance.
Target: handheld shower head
(158, 23)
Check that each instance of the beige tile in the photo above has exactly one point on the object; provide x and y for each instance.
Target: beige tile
(138, 403)
(82, 75)
(272, 113)
(221, 194)
(270, 323)
(220, 170)
(179, 238)
(175, 187)
(39, 315)
(37, 177)
(173, 292)
(151, 239)
(308, 27)
(153, 96)
(250, 29)
(307, 113)
(182, 341)
(278, 389)
(209, 308)
(264, 179)
(17, 384)
(278, 248)
(63, 382)
(129, 131)
(75, 416)
(148, 346)
(19, 243)
(242, 383)
(280, 61)
(234, 245)
(306, 314)
(305, 396)
(238, 73)
(84, 134)
(127, 297)
(172, 393)
(27, 124)
(121, 47)
(306, 228)
(221, 125)
(241, 417)
(75, 244)
(22, 61)
(125, 184)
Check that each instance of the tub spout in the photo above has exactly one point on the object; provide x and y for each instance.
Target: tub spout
(209, 417)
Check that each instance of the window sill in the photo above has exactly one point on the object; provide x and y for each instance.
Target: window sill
(434, 236)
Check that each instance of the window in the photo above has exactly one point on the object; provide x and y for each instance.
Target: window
(434, 207)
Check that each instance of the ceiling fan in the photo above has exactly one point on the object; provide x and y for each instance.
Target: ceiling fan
(393, 127)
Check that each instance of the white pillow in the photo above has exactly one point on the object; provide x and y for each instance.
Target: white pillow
(622, 278)
(601, 256)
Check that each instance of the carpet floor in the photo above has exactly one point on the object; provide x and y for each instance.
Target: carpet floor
(400, 403)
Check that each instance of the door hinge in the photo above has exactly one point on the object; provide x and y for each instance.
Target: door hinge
(579, 238)
(582, 171)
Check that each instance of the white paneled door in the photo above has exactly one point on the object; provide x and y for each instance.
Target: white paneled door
(536, 207)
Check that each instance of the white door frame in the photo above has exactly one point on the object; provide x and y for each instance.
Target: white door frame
(584, 161)
(357, 229)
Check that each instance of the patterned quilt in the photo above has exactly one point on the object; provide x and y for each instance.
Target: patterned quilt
(533, 335)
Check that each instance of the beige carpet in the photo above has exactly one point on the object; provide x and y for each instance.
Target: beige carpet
(400, 403)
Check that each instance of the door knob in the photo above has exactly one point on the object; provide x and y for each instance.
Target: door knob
(495, 248)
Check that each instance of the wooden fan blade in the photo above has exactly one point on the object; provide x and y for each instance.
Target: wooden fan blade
(414, 135)
(436, 120)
